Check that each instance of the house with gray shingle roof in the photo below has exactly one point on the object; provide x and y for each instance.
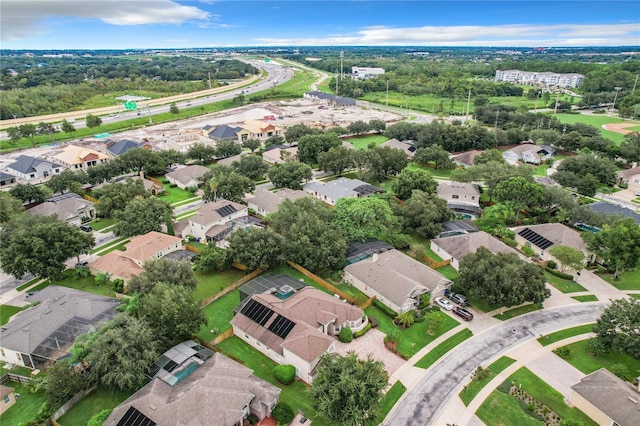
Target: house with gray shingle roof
(214, 221)
(462, 198)
(528, 152)
(123, 145)
(630, 177)
(223, 133)
(602, 207)
(42, 334)
(543, 237)
(405, 146)
(607, 399)
(7, 179)
(187, 176)
(217, 392)
(466, 158)
(27, 167)
(265, 202)
(296, 328)
(70, 208)
(330, 192)
(397, 280)
(456, 247)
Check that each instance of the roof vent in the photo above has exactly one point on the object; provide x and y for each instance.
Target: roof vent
(635, 401)
(47, 312)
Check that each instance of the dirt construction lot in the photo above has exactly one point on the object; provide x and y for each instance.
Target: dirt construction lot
(292, 112)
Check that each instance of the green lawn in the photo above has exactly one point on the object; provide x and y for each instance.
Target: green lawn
(565, 286)
(546, 394)
(586, 298)
(362, 142)
(120, 247)
(596, 121)
(7, 311)
(481, 304)
(28, 284)
(109, 244)
(25, 408)
(85, 284)
(566, 333)
(101, 223)
(504, 410)
(414, 338)
(629, 280)
(472, 389)
(582, 359)
(359, 296)
(219, 314)
(98, 400)
(436, 353)
(213, 282)
(518, 311)
(388, 401)
(449, 272)
(174, 195)
(295, 394)
(635, 295)
(21, 371)
(436, 173)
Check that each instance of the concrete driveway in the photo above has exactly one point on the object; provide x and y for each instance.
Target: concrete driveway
(422, 404)
(372, 343)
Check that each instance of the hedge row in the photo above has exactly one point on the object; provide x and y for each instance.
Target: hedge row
(559, 274)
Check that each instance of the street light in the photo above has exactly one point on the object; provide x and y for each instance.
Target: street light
(617, 89)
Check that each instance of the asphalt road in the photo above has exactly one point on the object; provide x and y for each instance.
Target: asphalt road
(423, 403)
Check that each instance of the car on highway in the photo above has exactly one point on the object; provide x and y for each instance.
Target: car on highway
(463, 313)
(443, 303)
(458, 298)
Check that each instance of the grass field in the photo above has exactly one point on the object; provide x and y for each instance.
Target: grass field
(566, 333)
(439, 351)
(28, 284)
(596, 121)
(586, 298)
(98, 400)
(414, 338)
(101, 223)
(6, 312)
(475, 386)
(363, 142)
(387, 402)
(503, 409)
(521, 310)
(25, 408)
(174, 195)
(581, 358)
(295, 394)
(212, 283)
(219, 314)
(629, 280)
(85, 284)
(565, 286)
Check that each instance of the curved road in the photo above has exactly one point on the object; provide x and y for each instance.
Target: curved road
(424, 402)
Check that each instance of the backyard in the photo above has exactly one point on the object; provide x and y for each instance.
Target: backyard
(219, 314)
(363, 142)
(25, 409)
(85, 284)
(214, 282)
(98, 400)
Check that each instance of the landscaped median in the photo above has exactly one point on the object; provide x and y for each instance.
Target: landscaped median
(481, 377)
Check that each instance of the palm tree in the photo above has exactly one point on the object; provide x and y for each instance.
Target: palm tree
(406, 319)
(104, 278)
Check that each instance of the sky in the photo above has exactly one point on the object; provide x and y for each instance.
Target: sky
(134, 24)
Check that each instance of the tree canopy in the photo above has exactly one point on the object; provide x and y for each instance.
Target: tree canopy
(40, 246)
(568, 257)
(256, 248)
(347, 390)
(362, 218)
(140, 216)
(501, 279)
(290, 174)
(618, 328)
(410, 179)
(617, 244)
(423, 214)
(115, 196)
(165, 271)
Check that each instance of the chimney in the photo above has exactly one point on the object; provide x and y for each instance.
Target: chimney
(374, 258)
(141, 174)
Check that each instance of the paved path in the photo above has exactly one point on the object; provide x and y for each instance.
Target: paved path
(428, 395)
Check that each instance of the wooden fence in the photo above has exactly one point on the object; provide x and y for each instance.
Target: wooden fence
(368, 303)
(192, 248)
(436, 265)
(90, 198)
(222, 337)
(316, 279)
(230, 288)
(10, 377)
(70, 403)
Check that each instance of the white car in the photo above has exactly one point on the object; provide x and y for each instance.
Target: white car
(443, 303)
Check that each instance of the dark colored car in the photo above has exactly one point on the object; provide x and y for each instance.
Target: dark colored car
(463, 313)
(86, 228)
(458, 298)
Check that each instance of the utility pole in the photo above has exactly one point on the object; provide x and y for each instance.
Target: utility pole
(634, 84)
(535, 109)
(555, 109)
(617, 89)
(468, 102)
(387, 91)
(149, 112)
(209, 80)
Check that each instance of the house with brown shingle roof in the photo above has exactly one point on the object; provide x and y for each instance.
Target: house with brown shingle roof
(466, 158)
(218, 392)
(295, 330)
(630, 177)
(279, 154)
(7, 398)
(187, 176)
(406, 146)
(543, 237)
(70, 208)
(607, 399)
(214, 221)
(80, 158)
(462, 198)
(397, 280)
(260, 130)
(456, 247)
(125, 264)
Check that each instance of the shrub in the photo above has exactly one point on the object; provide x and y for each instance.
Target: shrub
(253, 419)
(559, 274)
(285, 373)
(563, 352)
(173, 185)
(530, 409)
(118, 285)
(504, 387)
(528, 251)
(509, 241)
(480, 374)
(551, 264)
(621, 371)
(384, 308)
(283, 413)
(346, 335)
(363, 331)
(99, 418)
(419, 319)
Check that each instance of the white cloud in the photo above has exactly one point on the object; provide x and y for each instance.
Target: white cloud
(478, 35)
(22, 18)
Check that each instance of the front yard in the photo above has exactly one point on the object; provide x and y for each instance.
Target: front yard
(581, 358)
(629, 280)
(565, 286)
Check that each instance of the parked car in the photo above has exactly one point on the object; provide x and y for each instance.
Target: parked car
(458, 298)
(463, 313)
(443, 303)
(81, 264)
(86, 228)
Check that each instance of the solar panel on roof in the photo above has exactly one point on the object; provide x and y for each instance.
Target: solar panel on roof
(257, 312)
(535, 238)
(226, 210)
(281, 326)
(367, 189)
(133, 417)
